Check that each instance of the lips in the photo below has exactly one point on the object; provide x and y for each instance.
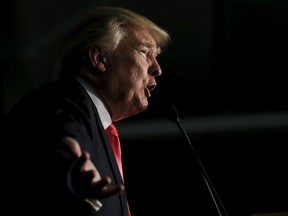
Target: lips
(149, 88)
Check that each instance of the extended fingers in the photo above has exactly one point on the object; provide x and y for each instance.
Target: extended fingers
(95, 187)
(85, 177)
(83, 163)
(103, 188)
(72, 146)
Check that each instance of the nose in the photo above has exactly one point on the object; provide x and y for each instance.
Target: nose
(155, 69)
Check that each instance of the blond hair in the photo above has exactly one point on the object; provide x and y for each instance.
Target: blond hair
(104, 27)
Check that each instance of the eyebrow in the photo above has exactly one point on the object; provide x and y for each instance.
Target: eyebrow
(149, 45)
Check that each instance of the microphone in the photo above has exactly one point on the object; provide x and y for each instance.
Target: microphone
(173, 115)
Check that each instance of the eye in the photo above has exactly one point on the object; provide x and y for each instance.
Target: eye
(144, 52)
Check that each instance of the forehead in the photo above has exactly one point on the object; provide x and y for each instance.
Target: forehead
(141, 37)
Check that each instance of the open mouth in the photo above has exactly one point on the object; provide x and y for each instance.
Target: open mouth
(149, 88)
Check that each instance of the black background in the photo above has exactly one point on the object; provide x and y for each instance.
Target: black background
(225, 71)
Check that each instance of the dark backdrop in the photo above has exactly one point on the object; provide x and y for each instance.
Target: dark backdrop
(225, 71)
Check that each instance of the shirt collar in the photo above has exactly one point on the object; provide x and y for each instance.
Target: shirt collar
(102, 110)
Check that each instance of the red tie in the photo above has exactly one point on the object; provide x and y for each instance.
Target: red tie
(115, 143)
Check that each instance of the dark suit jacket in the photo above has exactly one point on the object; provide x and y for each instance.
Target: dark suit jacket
(37, 163)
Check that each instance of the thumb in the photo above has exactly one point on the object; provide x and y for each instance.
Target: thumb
(73, 146)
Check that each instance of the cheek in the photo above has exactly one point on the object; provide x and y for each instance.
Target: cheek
(130, 87)
(131, 74)
(137, 81)
(134, 75)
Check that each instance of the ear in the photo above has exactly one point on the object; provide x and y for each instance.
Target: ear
(97, 59)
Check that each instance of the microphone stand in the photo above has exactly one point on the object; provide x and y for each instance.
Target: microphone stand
(174, 117)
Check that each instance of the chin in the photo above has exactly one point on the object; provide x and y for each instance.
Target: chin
(142, 107)
(145, 105)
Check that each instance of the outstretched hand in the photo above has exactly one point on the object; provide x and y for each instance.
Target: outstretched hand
(85, 178)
